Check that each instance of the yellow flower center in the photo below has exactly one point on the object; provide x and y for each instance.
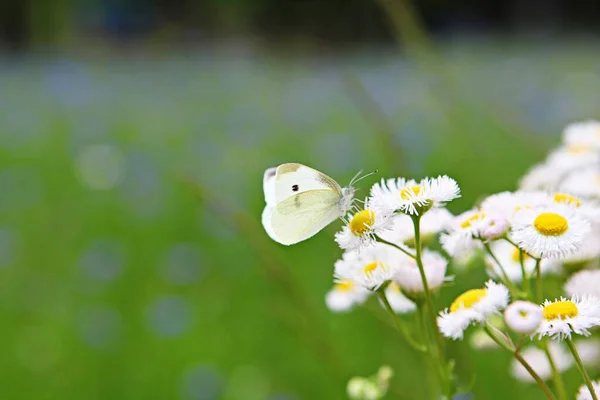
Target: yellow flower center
(409, 192)
(551, 224)
(371, 267)
(469, 221)
(560, 309)
(567, 198)
(516, 255)
(344, 286)
(467, 299)
(362, 222)
(578, 148)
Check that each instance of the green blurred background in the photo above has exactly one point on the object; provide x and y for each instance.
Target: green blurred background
(133, 139)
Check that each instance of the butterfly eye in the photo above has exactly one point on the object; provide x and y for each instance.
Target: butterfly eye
(295, 188)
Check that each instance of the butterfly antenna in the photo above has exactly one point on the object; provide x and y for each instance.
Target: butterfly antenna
(355, 180)
(355, 177)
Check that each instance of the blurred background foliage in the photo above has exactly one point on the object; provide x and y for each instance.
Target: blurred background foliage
(133, 139)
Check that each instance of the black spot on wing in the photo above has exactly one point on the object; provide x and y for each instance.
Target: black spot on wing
(295, 188)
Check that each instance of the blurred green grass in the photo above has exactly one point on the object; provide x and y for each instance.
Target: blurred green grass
(143, 291)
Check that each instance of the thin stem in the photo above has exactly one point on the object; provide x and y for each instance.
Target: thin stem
(523, 362)
(408, 253)
(429, 299)
(557, 378)
(526, 285)
(582, 369)
(398, 324)
(539, 294)
(506, 279)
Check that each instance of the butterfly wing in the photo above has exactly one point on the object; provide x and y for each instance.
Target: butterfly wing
(292, 179)
(302, 215)
(269, 185)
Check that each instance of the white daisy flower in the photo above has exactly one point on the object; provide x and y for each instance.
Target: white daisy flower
(363, 226)
(584, 183)
(583, 133)
(501, 208)
(567, 316)
(412, 197)
(431, 224)
(572, 157)
(464, 231)
(370, 267)
(523, 317)
(471, 307)
(345, 295)
(399, 302)
(543, 176)
(584, 392)
(549, 232)
(588, 209)
(586, 282)
(408, 276)
(505, 205)
(538, 360)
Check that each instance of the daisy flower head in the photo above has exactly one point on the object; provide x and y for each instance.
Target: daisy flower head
(502, 204)
(363, 226)
(563, 317)
(540, 177)
(584, 392)
(523, 317)
(550, 232)
(505, 205)
(538, 360)
(572, 157)
(586, 282)
(370, 267)
(587, 208)
(344, 295)
(412, 197)
(399, 302)
(408, 276)
(432, 222)
(584, 183)
(471, 307)
(464, 232)
(583, 133)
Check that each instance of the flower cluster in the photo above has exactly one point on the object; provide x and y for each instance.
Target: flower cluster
(400, 246)
(379, 242)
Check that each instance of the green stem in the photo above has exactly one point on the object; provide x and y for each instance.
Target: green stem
(431, 307)
(582, 369)
(539, 295)
(526, 286)
(417, 346)
(524, 363)
(408, 253)
(557, 378)
(506, 279)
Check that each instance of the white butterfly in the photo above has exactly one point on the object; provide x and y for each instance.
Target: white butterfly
(301, 201)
